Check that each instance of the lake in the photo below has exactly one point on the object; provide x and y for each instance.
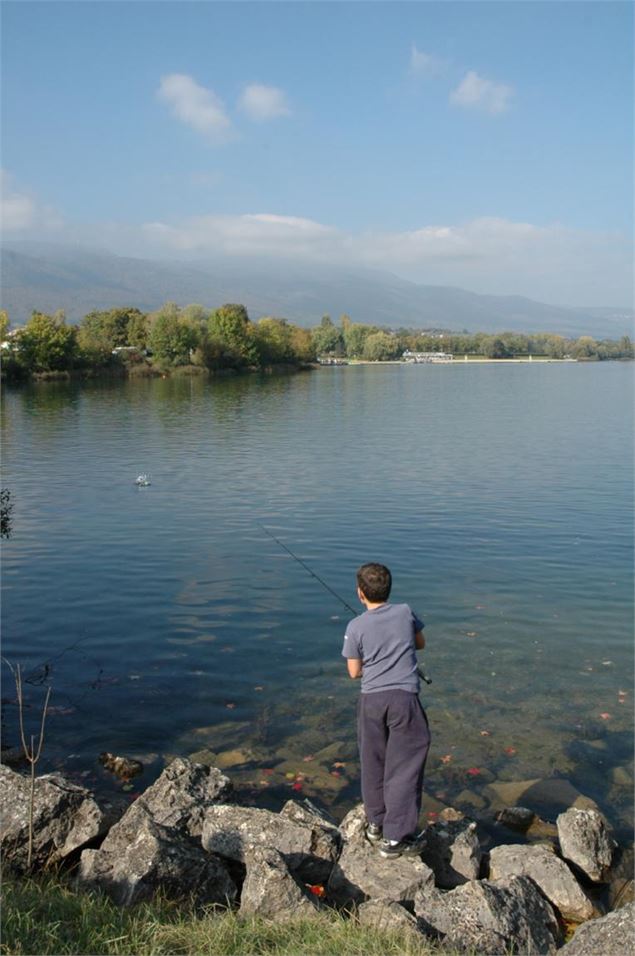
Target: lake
(168, 621)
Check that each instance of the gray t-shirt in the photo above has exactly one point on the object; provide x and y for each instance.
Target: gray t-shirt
(384, 640)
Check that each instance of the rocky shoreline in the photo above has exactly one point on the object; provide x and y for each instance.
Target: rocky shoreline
(190, 836)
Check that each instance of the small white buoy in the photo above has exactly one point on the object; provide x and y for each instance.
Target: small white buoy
(143, 481)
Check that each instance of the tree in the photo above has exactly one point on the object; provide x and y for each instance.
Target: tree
(47, 343)
(273, 341)
(171, 340)
(585, 347)
(379, 347)
(496, 348)
(354, 337)
(327, 338)
(4, 324)
(230, 327)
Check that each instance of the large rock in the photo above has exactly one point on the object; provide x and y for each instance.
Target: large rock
(389, 916)
(552, 876)
(491, 917)
(361, 874)
(65, 818)
(553, 794)
(452, 849)
(585, 841)
(309, 847)
(270, 890)
(182, 794)
(612, 935)
(140, 856)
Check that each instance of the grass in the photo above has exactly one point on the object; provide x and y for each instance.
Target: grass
(45, 915)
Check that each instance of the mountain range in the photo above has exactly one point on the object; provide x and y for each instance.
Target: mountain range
(47, 277)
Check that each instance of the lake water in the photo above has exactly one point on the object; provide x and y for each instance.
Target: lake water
(171, 623)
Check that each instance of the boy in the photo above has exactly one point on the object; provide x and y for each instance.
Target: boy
(392, 729)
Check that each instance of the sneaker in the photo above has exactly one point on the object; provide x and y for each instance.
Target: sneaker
(409, 846)
(373, 833)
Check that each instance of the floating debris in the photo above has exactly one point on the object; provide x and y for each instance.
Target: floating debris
(605, 716)
(143, 481)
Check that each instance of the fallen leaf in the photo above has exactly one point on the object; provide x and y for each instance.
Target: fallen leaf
(432, 814)
(510, 751)
(605, 716)
(258, 688)
(308, 758)
(446, 758)
(335, 773)
(290, 776)
(471, 633)
(317, 889)
(485, 733)
(297, 785)
(230, 706)
(263, 783)
(473, 772)
(267, 770)
(339, 763)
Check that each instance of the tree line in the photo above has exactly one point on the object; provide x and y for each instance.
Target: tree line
(226, 338)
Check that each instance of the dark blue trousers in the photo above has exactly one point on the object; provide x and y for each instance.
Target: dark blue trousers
(394, 739)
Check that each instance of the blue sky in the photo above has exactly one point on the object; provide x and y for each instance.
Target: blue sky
(483, 145)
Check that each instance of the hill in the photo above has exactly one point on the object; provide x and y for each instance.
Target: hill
(47, 277)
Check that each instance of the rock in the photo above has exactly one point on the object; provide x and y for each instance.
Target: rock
(585, 841)
(516, 818)
(270, 890)
(542, 796)
(387, 916)
(453, 852)
(123, 767)
(326, 840)
(182, 794)
(550, 874)
(468, 798)
(622, 886)
(491, 917)
(65, 818)
(140, 856)
(611, 935)
(353, 825)
(361, 874)
(309, 849)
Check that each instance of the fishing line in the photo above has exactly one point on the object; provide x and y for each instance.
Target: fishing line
(420, 670)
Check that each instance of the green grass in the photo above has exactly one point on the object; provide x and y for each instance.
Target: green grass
(45, 915)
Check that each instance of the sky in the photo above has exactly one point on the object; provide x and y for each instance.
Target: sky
(485, 145)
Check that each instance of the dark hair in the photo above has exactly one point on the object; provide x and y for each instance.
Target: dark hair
(375, 582)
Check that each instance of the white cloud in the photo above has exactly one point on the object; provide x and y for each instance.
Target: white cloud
(425, 64)
(20, 211)
(195, 105)
(262, 103)
(475, 92)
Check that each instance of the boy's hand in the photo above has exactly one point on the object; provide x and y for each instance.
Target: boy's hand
(420, 641)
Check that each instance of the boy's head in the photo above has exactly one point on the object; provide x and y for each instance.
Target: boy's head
(375, 582)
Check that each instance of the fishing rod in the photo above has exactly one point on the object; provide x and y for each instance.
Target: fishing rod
(420, 670)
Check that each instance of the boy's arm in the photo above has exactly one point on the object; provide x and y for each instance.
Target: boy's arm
(354, 666)
(420, 641)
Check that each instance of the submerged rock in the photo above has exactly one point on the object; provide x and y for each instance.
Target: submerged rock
(123, 767)
(585, 841)
(491, 917)
(550, 874)
(270, 890)
(516, 818)
(611, 935)
(66, 818)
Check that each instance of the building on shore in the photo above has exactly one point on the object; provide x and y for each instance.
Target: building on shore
(419, 357)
